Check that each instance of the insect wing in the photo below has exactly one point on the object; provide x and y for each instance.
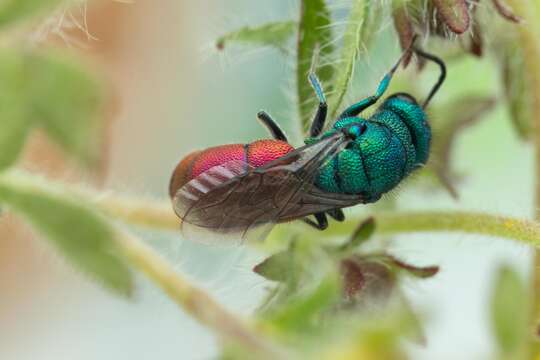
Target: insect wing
(237, 201)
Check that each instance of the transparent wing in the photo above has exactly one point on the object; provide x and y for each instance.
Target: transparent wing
(239, 202)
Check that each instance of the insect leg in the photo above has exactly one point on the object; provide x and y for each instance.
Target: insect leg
(271, 125)
(320, 117)
(336, 214)
(360, 106)
(320, 224)
(442, 76)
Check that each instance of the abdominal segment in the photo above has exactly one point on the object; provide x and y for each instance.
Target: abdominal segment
(255, 154)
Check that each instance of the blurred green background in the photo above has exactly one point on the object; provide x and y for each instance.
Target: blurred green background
(174, 93)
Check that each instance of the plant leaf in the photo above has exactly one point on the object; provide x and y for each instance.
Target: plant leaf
(352, 43)
(52, 92)
(12, 11)
(422, 272)
(448, 128)
(14, 122)
(81, 235)
(302, 311)
(274, 34)
(69, 113)
(516, 91)
(509, 312)
(277, 267)
(314, 33)
(361, 234)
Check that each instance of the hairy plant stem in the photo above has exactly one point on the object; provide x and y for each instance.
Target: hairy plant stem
(529, 38)
(160, 216)
(193, 300)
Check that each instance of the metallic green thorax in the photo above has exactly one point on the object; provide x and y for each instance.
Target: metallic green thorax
(394, 141)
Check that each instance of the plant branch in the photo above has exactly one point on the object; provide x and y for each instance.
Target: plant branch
(527, 232)
(193, 300)
(146, 212)
(160, 216)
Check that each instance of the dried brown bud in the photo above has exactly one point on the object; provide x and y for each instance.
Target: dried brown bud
(404, 27)
(455, 14)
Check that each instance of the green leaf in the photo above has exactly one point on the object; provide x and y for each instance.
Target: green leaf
(65, 100)
(361, 234)
(354, 41)
(509, 312)
(83, 237)
(517, 90)
(277, 267)
(14, 121)
(447, 129)
(274, 34)
(12, 11)
(314, 33)
(53, 92)
(302, 312)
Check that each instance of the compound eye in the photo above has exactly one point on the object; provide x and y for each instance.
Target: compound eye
(356, 130)
(404, 97)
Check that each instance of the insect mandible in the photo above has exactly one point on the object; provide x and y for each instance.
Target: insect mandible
(242, 190)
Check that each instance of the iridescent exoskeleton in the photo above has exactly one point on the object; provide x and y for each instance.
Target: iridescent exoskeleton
(242, 190)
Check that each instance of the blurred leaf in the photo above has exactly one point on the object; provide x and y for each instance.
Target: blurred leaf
(12, 11)
(509, 313)
(422, 272)
(277, 267)
(505, 11)
(354, 41)
(65, 100)
(455, 14)
(404, 28)
(52, 92)
(361, 234)
(301, 312)
(14, 120)
(74, 228)
(271, 34)
(516, 90)
(371, 334)
(445, 132)
(314, 34)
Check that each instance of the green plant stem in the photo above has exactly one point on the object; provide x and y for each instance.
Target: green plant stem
(394, 223)
(529, 38)
(160, 216)
(193, 300)
(138, 211)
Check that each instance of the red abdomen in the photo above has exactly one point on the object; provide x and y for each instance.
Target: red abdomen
(255, 154)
